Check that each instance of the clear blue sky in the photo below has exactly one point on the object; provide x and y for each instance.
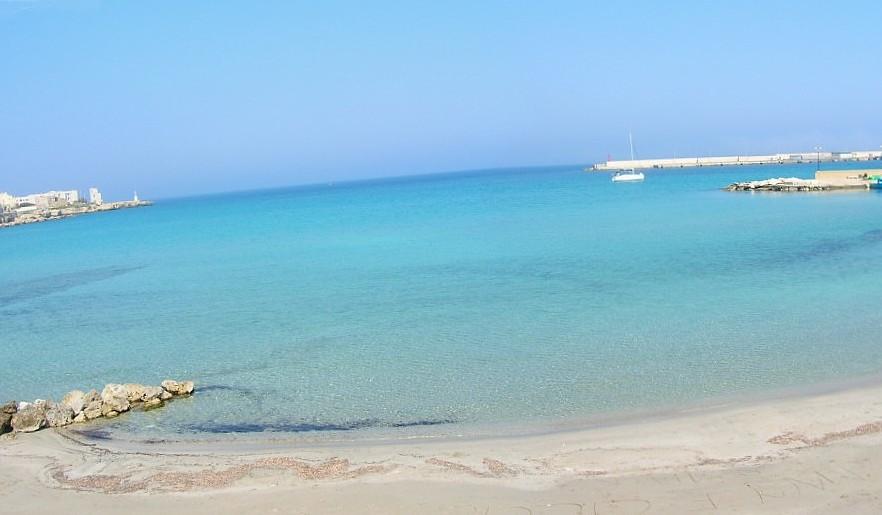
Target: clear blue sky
(181, 97)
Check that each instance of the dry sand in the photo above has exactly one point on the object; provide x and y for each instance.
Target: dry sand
(818, 454)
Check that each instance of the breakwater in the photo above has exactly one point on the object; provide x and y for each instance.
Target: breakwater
(768, 159)
(79, 406)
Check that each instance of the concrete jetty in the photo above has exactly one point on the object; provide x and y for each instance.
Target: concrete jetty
(783, 158)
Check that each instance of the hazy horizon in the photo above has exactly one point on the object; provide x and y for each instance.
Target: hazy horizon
(175, 99)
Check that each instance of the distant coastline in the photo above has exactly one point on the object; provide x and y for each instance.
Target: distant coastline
(71, 211)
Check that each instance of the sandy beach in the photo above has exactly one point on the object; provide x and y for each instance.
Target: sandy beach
(815, 454)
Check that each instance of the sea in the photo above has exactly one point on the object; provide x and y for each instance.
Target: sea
(484, 302)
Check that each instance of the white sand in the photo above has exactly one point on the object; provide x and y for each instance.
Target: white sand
(819, 454)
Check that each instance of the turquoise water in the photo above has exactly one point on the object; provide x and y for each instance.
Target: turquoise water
(515, 296)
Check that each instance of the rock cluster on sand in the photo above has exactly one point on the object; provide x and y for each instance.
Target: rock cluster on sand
(79, 406)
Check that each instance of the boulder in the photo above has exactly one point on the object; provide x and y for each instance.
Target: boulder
(111, 413)
(134, 392)
(114, 397)
(151, 392)
(164, 396)
(91, 395)
(6, 412)
(178, 388)
(31, 418)
(92, 410)
(76, 400)
(59, 415)
(80, 418)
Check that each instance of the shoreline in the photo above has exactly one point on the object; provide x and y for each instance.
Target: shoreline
(792, 444)
(64, 213)
(461, 431)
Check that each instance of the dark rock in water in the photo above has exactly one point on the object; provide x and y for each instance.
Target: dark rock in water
(30, 418)
(6, 412)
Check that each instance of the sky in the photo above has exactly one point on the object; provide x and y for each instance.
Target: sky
(176, 98)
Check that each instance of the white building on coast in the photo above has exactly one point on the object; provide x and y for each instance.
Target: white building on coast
(7, 201)
(95, 197)
(49, 198)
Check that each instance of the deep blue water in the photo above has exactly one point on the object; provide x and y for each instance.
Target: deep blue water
(510, 295)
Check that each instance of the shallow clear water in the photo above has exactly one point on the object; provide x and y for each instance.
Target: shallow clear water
(512, 295)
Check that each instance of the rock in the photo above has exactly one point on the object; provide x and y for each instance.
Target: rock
(76, 400)
(153, 404)
(77, 406)
(134, 392)
(170, 386)
(176, 388)
(29, 419)
(59, 415)
(92, 410)
(6, 412)
(151, 392)
(114, 398)
(91, 395)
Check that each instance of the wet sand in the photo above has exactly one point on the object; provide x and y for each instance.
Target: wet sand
(817, 454)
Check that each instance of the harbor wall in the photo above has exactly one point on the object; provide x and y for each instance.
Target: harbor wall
(781, 158)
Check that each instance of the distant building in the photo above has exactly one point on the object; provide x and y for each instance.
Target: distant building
(49, 199)
(7, 201)
(95, 197)
(25, 208)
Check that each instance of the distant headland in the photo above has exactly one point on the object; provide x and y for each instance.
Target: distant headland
(54, 205)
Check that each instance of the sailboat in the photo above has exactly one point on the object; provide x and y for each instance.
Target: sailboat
(629, 174)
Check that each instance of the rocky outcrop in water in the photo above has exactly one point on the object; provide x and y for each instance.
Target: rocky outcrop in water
(791, 184)
(78, 406)
(176, 388)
